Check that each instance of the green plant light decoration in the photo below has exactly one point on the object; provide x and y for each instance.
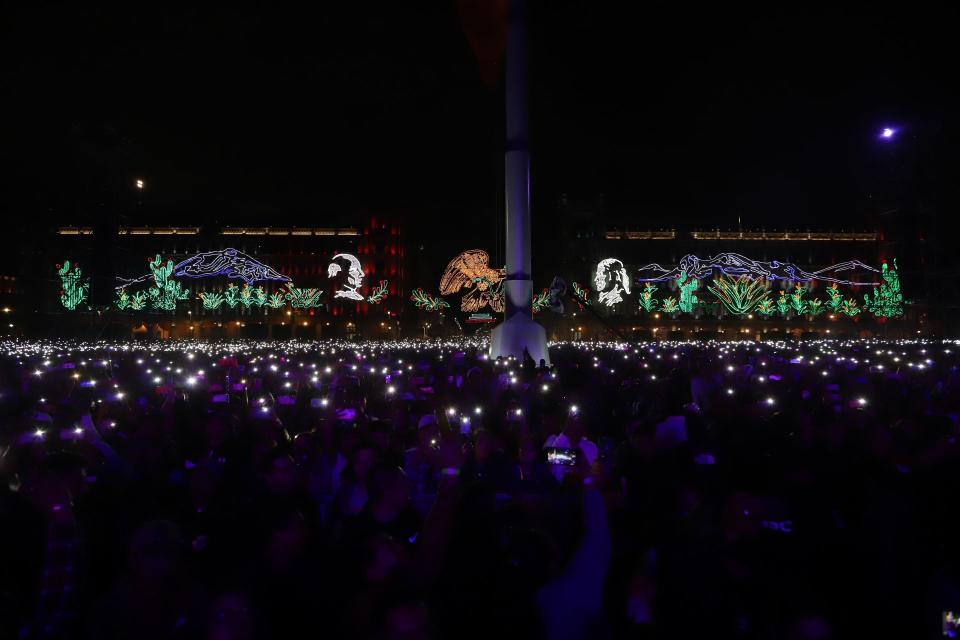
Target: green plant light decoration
(426, 302)
(765, 307)
(541, 301)
(797, 303)
(276, 300)
(379, 294)
(303, 298)
(783, 304)
(647, 302)
(741, 295)
(850, 308)
(73, 289)
(836, 300)
(669, 305)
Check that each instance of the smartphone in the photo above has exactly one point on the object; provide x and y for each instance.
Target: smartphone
(562, 456)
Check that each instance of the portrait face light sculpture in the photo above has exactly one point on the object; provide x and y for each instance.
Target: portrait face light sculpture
(611, 281)
(354, 277)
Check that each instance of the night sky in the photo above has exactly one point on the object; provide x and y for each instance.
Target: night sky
(676, 115)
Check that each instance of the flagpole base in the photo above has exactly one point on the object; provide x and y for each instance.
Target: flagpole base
(519, 331)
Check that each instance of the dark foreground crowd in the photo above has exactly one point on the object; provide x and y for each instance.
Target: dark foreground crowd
(423, 490)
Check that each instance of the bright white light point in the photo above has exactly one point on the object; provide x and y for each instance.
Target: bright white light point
(451, 411)
(157, 380)
(478, 410)
(78, 431)
(574, 408)
(729, 392)
(39, 433)
(771, 401)
(887, 132)
(391, 389)
(861, 401)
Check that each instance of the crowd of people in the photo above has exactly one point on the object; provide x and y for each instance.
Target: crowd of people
(422, 489)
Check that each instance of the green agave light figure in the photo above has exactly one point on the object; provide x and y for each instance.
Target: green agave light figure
(211, 301)
(669, 305)
(765, 307)
(740, 295)
(276, 300)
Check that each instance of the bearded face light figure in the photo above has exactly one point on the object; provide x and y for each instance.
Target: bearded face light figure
(350, 288)
(611, 281)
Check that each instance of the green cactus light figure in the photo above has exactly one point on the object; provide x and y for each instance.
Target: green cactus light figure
(167, 292)
(688, 299)
(73, 289)
(887, 301)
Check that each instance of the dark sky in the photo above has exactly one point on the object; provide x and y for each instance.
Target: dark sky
(678, 115)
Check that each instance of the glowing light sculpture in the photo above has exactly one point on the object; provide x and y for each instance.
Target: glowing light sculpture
(303, 298)
(688, 299)
(669, 305)
(379, 294)
(850, 308)
(231, 295)
(647, 302)
(815, 307)
(138, 301)
(471, 270)
(887, 301)
(211, 301)
(797, 303)
(541, 301)
(735, 264)
(740, 295)
(166, 292)
(611, 280)
(765, 307)
(836, 300)
(73, 290)
(226, 262)
(581, 294)
(276, 300)
(783, 304)
(426, 302)
(123, 300)
(354, 277)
